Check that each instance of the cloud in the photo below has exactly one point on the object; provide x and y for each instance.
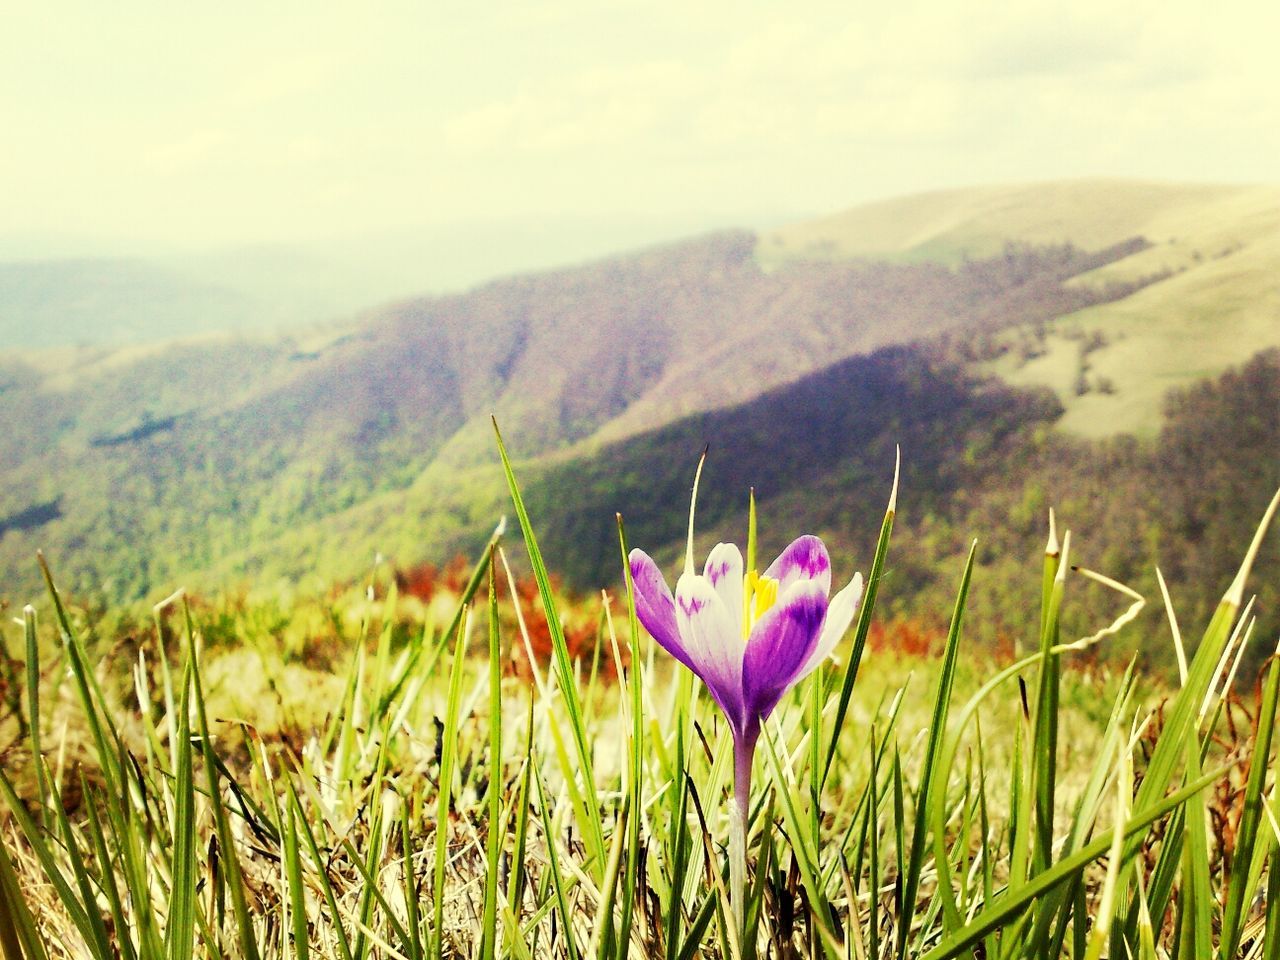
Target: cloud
(1059, 50)
(190, 151)
(598, 108)
(288, 75)
(297, 119)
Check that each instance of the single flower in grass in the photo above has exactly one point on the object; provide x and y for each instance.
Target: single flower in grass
(749, 637)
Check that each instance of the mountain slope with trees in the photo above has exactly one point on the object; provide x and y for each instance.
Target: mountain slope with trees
(238, 456)
(979, 460)
(269, 459)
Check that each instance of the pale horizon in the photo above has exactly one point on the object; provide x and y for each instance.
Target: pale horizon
(190, 131)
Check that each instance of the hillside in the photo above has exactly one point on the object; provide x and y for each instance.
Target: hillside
(979, 459)
(275, 457)
(69, 302)
(128, 301)
(268, 459)
(1210, 296)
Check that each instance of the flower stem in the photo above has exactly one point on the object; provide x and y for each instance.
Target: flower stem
(744, 750)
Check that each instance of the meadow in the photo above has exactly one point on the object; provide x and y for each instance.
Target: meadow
(493, 768)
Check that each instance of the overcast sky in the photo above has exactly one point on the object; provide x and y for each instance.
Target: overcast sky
(188, 126)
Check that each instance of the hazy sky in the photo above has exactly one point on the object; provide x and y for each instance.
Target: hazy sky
(176, 124)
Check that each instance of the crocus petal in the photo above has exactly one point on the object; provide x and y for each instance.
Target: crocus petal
(805, 559)
(724, 569)
(713, 643)
(780, 646)
(655, 608)
(840, 612)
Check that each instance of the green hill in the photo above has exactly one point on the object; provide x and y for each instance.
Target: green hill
(979, 459)
(976, 222)
(1211, 296)
(269, 460)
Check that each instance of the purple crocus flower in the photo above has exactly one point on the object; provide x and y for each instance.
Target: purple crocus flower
(749, 638)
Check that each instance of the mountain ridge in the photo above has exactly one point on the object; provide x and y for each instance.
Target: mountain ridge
(293, 458)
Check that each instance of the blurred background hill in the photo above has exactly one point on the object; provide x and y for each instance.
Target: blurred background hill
(1104, 346)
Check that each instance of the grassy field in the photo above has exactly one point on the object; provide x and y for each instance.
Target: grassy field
(1165, 335)
(492, 769)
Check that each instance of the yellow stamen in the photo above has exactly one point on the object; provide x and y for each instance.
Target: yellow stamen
(758, 595)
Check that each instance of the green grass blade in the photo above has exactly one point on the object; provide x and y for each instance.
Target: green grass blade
(697, 928)
(33, 705)
(444, 799)
(929, 777)
(805, 850)
(1234, 914)
(371, 896)
(678, 845)
(180, 926)
(1019, 827)
(516, 882)
(557, 881)
(44, 852)
(495, 833)
(899, 834)
(635, 751)
(864, 623)
(370, 878)
(591, 829)
(105, 736)
(1271, 934)
(1082, 823)
(936, 809)
(1044, 748)
(107, 879)
(230, 862)
(297, 888)
(1197, 900)
(326, 886)
(1014, 903)
(603, 929)
(20, 938)
(413, 918)
(873, 818)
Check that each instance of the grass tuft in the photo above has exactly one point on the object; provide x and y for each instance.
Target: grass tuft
(419, 794)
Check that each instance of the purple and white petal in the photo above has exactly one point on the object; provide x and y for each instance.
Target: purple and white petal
(781, 645)
(724, 570)
(655, 607)
(714, 644)
(840, 613)
(805, 559)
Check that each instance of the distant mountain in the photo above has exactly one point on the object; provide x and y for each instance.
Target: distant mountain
(1209, 274)
(140, 294)
(254, 458)
(130, 301)
(253, 453)
(64, 302)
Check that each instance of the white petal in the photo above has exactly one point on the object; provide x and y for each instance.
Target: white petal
(724, 571)
(844, 605)
(714, 644)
